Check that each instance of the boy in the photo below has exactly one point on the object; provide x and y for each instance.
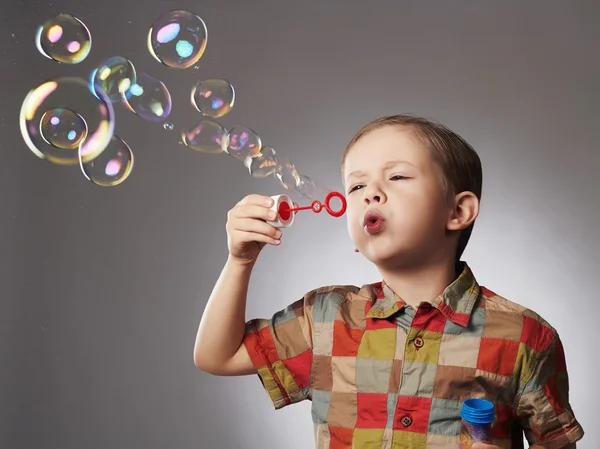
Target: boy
(388, 365)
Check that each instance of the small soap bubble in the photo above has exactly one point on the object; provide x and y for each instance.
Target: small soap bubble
(112, 167)
(63, 128)
(149, 98)
(262, 164)
(168, 126)
(177, 39)
(64, 39)
(287, 175)
(306, 187)
(213, 97)
(207, 136)
(242, 142)
(38, 113)
(115, 76)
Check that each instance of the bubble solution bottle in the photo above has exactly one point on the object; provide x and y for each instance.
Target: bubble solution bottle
(476, 424)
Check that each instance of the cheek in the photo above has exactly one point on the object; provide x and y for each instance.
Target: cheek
(352, 221)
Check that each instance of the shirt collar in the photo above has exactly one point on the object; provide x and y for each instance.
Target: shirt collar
(456, 302)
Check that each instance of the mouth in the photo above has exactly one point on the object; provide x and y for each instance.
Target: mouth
(373, 222)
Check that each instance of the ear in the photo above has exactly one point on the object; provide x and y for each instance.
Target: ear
(464, 212)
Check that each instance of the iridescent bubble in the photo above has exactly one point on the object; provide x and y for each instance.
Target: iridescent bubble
(177, 39)
(287, 175)
(262, 164)
(242, 143)
(306, 187)
(168, 126)
(64, 39)
(73, 94)
(213, 97)
(112, 167)
(207, 136)
(149, 98)
(115, 76)
(63, 128)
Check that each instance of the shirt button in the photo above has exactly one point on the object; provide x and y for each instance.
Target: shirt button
(419, 342)
(406, 421)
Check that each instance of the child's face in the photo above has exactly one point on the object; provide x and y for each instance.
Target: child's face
(390, 173)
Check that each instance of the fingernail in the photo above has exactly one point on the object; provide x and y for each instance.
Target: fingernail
(272, 215)
(278, 234)
(269, 202)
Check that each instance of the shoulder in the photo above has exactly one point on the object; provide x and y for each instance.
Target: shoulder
(340, 293)
(515, 322)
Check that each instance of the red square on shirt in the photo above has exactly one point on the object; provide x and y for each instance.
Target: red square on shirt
(340, 437)
(535, 334)
(412, 414)
(345, 340)
(497, 356)
(372, 410)
(429, 319)
(261, 347)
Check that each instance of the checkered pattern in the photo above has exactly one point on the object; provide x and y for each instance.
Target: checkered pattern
(381, 374)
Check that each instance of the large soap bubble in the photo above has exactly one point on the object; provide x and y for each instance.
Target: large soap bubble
(46, 105)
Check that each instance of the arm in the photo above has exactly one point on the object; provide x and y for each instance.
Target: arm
(218, 349)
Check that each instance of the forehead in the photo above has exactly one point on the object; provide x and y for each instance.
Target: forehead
(381, 146)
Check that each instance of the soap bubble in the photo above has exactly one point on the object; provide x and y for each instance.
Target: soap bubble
(242, 143)
(115, 76)
(177, 39)
(262, 164)
(306, 187)
(64, 39)
(207, 136)
(168, 126)
(112, 167)
(63, 128)
(213, 97)
(149, 98)
(287, 174)
(72, 94)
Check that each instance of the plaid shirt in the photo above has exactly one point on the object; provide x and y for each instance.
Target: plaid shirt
(381, 374)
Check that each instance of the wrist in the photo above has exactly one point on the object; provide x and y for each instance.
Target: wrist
(241, 265)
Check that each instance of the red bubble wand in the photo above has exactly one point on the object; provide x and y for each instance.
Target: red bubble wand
(316, 206)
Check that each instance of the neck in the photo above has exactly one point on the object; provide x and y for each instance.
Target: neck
(420, 284)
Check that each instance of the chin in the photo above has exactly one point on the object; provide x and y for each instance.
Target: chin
(383, 256)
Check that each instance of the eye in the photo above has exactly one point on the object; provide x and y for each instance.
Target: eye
(353, 188)
(398, 178)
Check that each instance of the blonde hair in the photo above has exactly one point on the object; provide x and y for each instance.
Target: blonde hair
(459, 164)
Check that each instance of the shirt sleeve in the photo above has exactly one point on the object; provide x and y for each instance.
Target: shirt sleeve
(543, 404)
(281, 350)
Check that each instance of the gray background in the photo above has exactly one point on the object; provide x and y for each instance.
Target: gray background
(103, 288)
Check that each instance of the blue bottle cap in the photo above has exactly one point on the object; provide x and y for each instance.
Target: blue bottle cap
(478, 411)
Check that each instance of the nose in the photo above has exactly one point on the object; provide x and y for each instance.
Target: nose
(373, 194)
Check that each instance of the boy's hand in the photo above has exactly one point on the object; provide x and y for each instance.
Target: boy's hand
(247, 230)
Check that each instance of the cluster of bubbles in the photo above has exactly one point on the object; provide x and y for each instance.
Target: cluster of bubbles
(70, 120)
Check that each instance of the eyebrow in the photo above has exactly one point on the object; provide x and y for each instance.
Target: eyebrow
(387, 166)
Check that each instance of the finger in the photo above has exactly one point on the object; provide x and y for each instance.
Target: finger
(253, 211)
(257, 227)
(256, 199)
(260, 238)
(484, 446)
